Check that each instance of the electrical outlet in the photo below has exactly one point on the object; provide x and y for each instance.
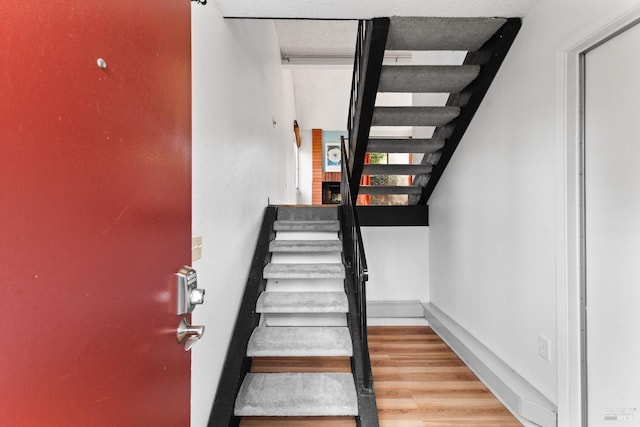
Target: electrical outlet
(544, 347)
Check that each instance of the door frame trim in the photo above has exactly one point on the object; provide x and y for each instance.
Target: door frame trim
(571, 325)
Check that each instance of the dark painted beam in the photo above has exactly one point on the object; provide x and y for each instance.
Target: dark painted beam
(367, 72)
(393, 216)
(490, 57)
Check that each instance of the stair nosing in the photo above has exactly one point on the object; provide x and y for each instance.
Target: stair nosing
(320, 346)
(396, 169)
(336, 391)
(315, 225)
(304, 271)
(289, 246)
(314, 302)
(390, 189)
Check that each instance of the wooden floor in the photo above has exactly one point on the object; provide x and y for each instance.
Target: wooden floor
(419, 382)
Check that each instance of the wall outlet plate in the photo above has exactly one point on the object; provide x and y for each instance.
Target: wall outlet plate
(544, 347)
(196, 248)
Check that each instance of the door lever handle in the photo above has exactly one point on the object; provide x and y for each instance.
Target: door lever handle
(188, 334)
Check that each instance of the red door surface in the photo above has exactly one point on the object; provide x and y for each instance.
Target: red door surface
(95, 211)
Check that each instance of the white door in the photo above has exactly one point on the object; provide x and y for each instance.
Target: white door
(612, 220)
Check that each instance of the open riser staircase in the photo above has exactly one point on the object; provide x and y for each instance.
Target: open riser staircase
(305, 296)
(302, 311)
(484, 43)
(303, 315)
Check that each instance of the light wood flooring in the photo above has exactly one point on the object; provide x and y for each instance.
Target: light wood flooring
(419, 382)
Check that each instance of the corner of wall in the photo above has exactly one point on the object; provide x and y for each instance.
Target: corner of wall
(520, 397)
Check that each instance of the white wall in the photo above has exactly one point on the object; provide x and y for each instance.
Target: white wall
(398, 261)
(322, 102)
(322, 97)
(496, 217)
(306, 168)
(239, 160)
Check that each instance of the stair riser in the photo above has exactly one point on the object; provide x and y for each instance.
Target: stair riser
(404, 146)
(306, 258)
(307, 235)
(396, 169)
(297, 285)
(304, 271)
(390, 190)
(307, 213)
(306, 226)
(296, 246)
(317, 319)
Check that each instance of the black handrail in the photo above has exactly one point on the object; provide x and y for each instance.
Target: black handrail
(237, 364)
(357, 276)
(367, 67)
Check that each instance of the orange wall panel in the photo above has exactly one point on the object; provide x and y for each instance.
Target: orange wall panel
(318, 176)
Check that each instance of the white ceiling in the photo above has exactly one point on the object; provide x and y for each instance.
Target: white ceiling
(313, 38)
(365, 9)
(320, 35)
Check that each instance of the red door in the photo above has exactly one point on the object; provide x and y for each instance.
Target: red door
(95, 211)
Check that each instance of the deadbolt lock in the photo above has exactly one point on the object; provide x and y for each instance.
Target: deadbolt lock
(187, 291)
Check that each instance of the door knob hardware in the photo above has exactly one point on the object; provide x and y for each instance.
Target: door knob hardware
(196, 296)
(188, 295)
(188, 334)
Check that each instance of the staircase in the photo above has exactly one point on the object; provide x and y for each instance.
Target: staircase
(485, 41)
(303, 316)
(303, 313)
(305, 296)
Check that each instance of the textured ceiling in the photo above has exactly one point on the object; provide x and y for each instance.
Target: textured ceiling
(365, 9)
(300, 38)
(317, 38)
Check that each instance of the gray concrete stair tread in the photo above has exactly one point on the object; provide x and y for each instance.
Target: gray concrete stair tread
(404, 145)
(414, 116)
(427, 78)
(307, 213)
(302, 302)
(300, 341)
(396, 169)
(317, 225)
(305, 246)
(379, 190)
(435, 33)
(304, 271)
(297, 394)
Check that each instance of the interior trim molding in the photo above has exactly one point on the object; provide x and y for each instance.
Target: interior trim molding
(395, 309)
(520, 397)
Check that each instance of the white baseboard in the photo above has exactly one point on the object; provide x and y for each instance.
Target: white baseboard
(396, 321)
(395, 309)
(520, 397)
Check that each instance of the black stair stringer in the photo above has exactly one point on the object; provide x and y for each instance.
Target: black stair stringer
(490, 57)
(372, 38)
(237, 364)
